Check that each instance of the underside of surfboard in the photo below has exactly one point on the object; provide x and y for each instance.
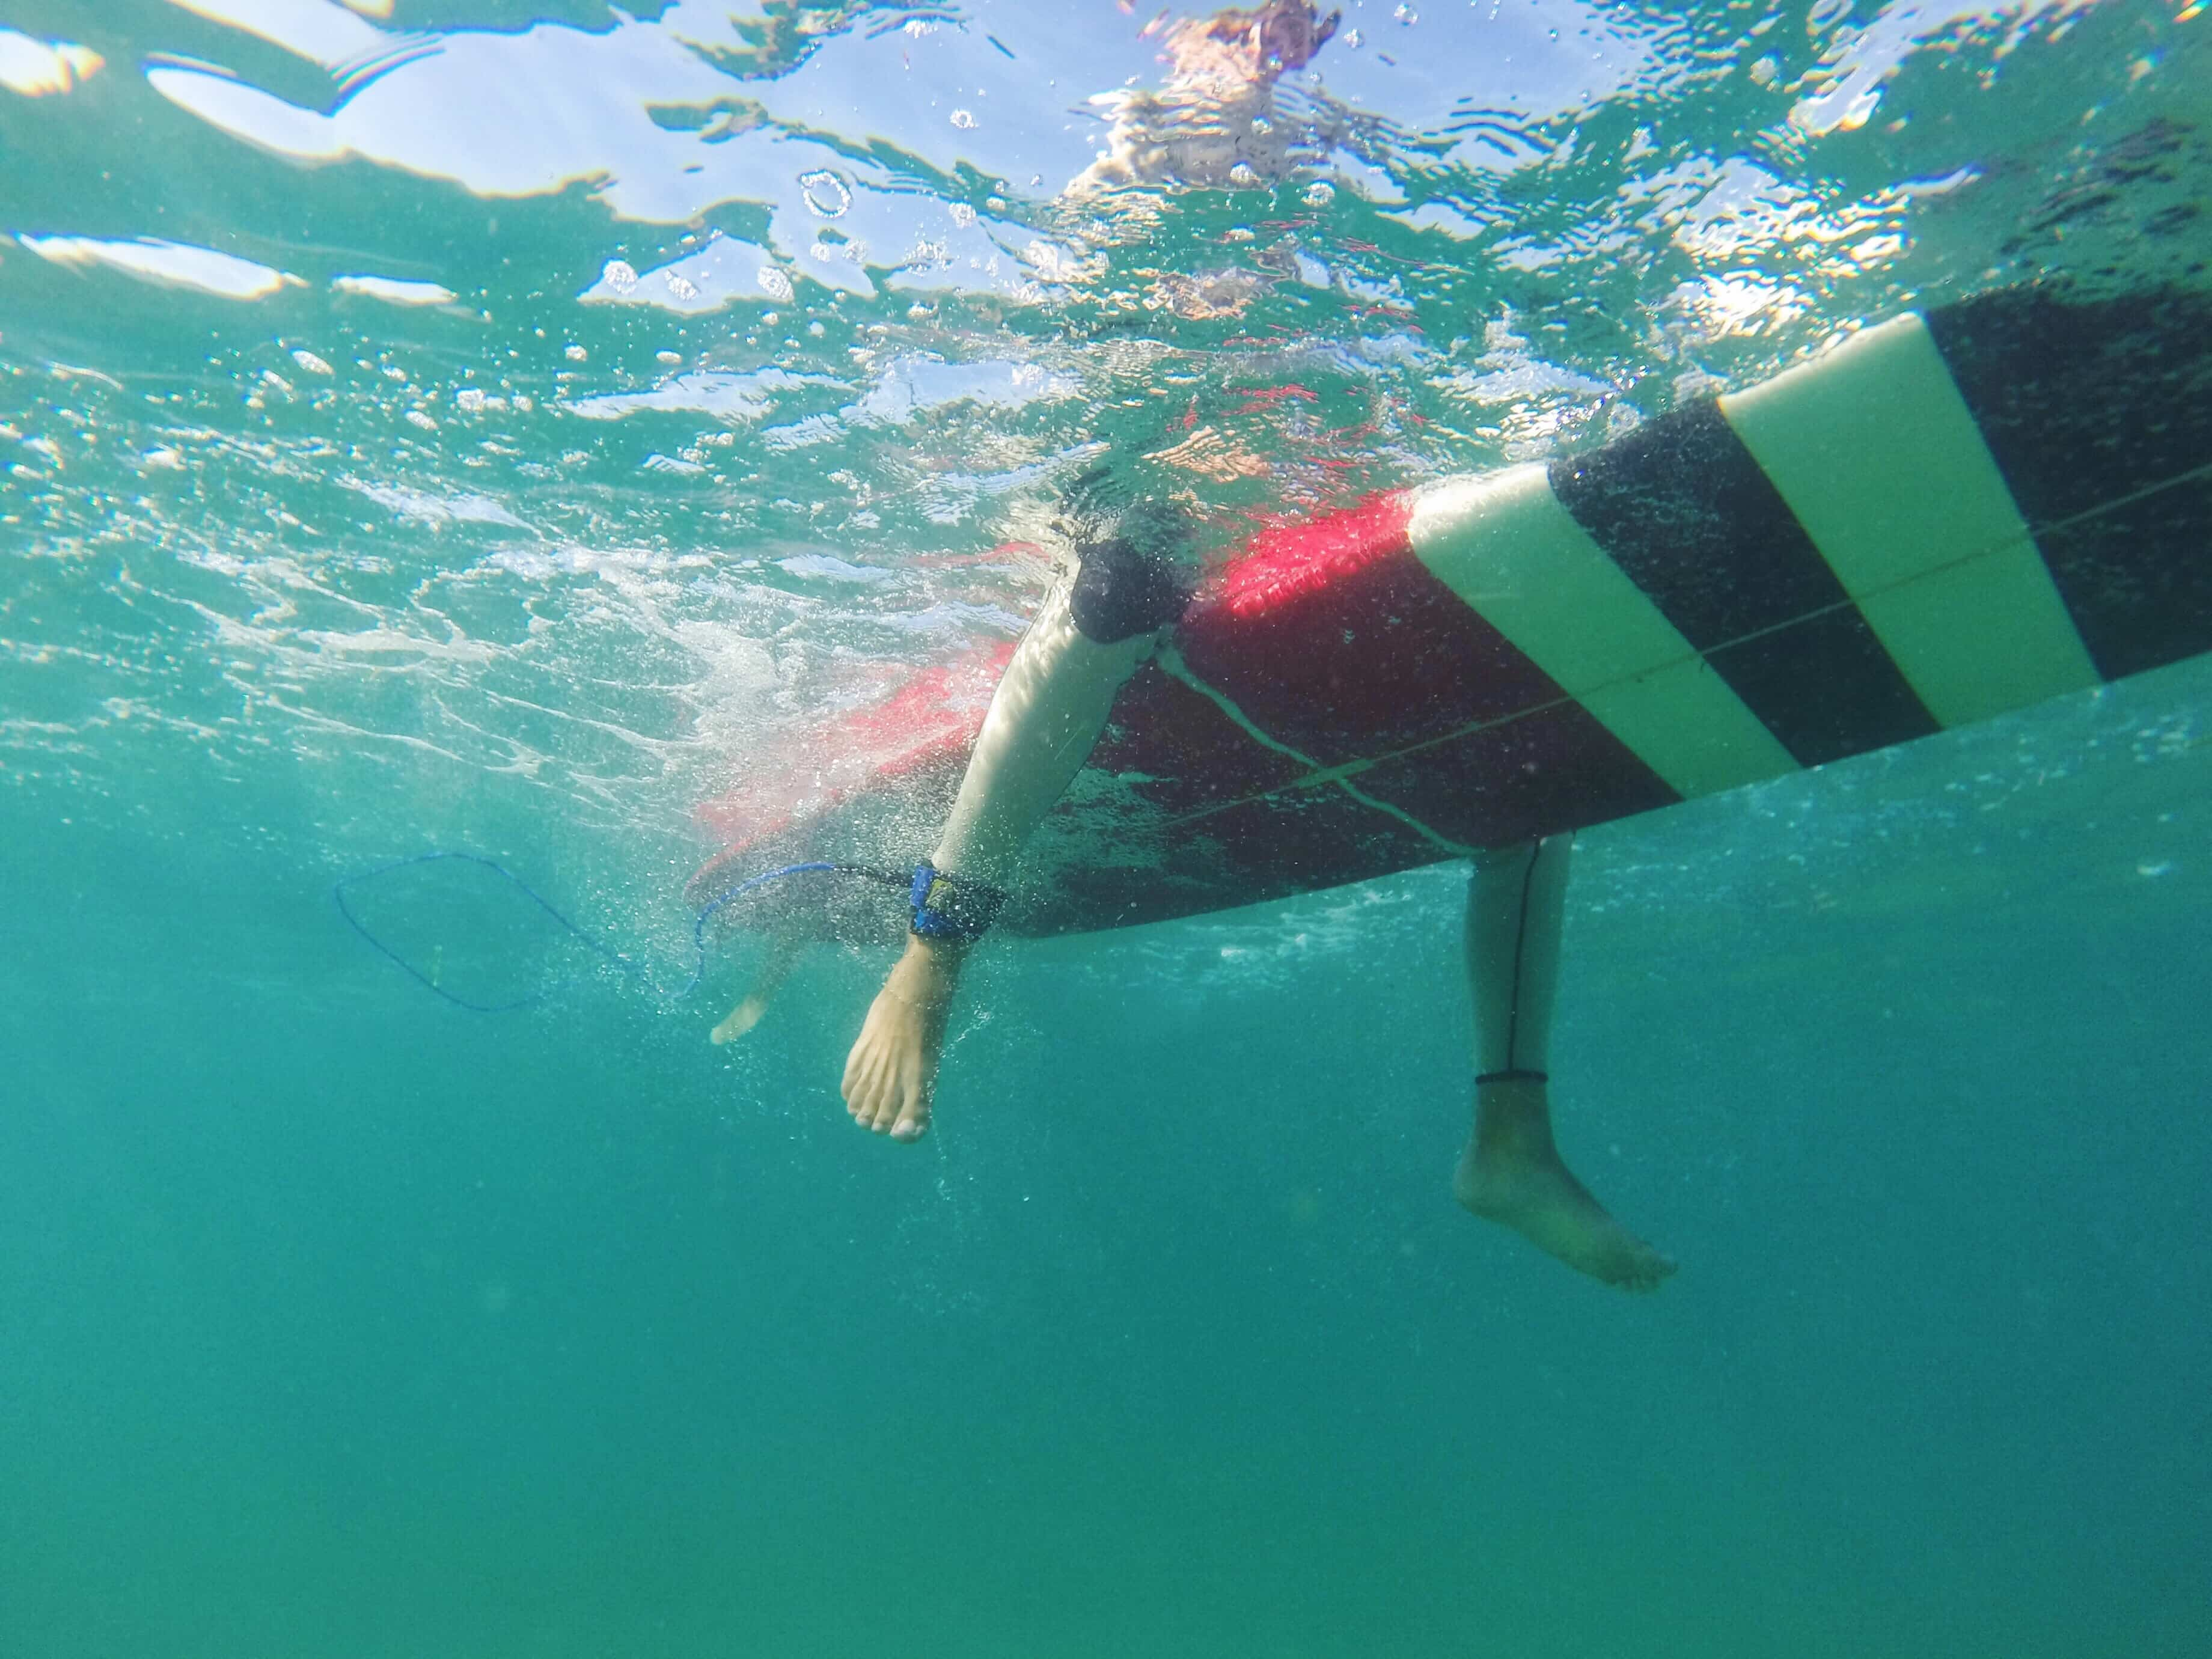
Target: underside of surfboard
(1945, 517)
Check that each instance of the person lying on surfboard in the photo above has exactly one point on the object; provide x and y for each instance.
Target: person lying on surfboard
(1127, 591)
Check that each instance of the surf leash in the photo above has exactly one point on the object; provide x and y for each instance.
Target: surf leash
(614, 958)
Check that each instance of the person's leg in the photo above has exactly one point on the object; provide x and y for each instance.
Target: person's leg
(1046, 714)
(782, 957)
(1511, 1171)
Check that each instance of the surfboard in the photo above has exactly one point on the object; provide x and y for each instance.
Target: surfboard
(1947, 515)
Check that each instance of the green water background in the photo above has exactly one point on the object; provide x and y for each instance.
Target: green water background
(340, 1321)
(334, 1321)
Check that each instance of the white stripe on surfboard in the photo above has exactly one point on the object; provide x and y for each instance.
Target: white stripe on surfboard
(1880, 460)
(1505, 545)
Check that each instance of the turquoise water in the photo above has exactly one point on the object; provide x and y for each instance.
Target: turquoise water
(335, 1320)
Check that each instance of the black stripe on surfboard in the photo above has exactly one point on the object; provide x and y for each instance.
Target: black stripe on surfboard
(2089, 407)
(1680, 506)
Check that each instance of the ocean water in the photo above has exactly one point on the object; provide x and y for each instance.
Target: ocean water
(484, 425)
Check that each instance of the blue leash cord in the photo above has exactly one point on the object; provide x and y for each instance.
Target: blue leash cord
(605, 951)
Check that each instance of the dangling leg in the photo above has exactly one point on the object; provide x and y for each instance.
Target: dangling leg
(747, 1014)
(1045, 716)
(1511, 1171)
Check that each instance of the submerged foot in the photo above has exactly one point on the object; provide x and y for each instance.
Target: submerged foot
(1511, 1173)
(747, 1014)
(893, 1064)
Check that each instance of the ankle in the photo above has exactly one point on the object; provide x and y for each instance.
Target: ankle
(933, 962)
(1506, 1075)
(1512, 1113)
(1515, 1093)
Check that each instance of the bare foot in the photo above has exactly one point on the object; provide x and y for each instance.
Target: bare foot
(1511, 1173)
(747, 1014)
(890, 1072)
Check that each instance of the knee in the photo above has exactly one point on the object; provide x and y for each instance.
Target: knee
(1123, 589)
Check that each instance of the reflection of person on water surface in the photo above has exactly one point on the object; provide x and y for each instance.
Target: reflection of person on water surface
(1212, 124)
(1209, 126)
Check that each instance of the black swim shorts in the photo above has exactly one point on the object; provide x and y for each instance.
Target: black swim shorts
(1133, 575)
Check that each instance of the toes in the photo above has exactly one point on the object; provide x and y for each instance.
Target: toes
(882, 1107)
(865, 1092)
(886, 1107)
(885, 1092)
(883, 1100)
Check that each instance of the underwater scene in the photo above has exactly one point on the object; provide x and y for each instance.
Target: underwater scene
(525, 524)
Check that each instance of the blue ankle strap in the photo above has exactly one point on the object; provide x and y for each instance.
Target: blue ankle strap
(946, 908)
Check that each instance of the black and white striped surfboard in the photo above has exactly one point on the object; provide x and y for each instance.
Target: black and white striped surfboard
(1945, 517)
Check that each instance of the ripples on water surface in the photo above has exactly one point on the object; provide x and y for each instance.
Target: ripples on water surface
(380, 379)
(425, 423)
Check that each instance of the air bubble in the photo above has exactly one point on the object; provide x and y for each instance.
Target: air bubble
(668, 359)
(825, 193)
(1320, 193)
(576, 353)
